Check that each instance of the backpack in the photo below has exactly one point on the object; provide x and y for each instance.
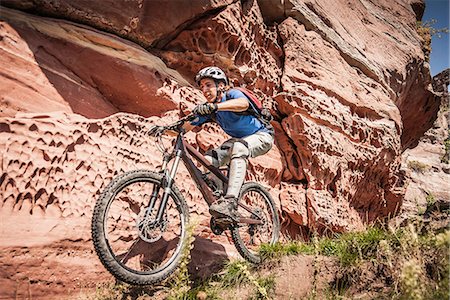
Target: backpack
(263, 114)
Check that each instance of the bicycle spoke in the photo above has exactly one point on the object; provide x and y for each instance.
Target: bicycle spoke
(258, 224)
(129, 251)
(136, 240)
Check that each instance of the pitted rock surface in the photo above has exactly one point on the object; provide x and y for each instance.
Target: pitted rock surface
(346, 81)
(237, 40)
(54, 167)
(331, 153)
(428, 164)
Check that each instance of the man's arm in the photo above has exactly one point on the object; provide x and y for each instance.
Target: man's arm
(236, 105)
(188, 126)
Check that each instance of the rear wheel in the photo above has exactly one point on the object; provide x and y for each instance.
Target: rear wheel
(256, 203)
(130, 243)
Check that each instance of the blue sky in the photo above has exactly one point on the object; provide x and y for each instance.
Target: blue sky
(438, 10)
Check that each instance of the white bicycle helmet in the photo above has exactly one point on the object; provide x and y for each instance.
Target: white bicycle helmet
(211, 72)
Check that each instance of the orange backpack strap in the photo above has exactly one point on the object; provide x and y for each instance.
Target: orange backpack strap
(255, 101)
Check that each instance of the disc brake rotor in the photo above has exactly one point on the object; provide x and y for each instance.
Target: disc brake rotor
(148, 228)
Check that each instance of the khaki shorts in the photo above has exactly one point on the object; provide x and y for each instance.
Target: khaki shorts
(258, 144)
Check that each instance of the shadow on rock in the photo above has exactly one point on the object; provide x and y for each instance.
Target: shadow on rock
(207, 258)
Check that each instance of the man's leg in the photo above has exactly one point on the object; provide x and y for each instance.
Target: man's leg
(211, 156)
(226, 206)
(238, 169)
(259, 143)
(254, 145)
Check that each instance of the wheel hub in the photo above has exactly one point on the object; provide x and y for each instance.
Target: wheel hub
(148, 228)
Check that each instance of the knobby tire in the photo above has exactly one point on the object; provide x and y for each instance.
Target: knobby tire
(272, 221)
(99, 235)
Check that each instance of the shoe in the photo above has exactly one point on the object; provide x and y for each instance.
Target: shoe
(224, 207)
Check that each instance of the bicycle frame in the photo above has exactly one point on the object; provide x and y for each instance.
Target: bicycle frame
(180, 152)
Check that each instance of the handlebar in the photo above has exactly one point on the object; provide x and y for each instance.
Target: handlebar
(177, 126)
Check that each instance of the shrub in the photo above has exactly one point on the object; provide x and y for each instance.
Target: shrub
(234, 273)
(426, 31)
(411, 279)
(431, 200)
(181, 283)
(417, 166)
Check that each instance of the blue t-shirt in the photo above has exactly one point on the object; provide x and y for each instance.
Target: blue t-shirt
(237, 125)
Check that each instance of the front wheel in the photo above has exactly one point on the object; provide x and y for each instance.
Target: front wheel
(131, 243)
(256, 203)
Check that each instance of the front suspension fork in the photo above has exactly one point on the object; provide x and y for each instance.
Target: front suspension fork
(168, 180)
(157, 188)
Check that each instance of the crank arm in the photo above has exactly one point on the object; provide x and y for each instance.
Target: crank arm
(250, 221)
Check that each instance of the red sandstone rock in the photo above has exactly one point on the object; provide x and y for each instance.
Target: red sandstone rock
(363, 33)
(336, 130)
(427, 165)
(235, 39)
(345, 80)
(147, 22)
(79, 69)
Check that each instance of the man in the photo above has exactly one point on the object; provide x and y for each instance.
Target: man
(231, 109)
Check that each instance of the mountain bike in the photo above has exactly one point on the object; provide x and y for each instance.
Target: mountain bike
(139, 222)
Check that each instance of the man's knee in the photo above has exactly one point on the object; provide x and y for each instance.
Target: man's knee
(240, 150)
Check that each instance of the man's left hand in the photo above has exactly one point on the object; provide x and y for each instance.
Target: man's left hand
(205, 109)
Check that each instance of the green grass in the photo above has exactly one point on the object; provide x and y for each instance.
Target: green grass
(279, 250)
(235, 274)
(349, 248)
(415, 260)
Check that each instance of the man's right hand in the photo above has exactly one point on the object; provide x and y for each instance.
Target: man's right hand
(205, 109)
